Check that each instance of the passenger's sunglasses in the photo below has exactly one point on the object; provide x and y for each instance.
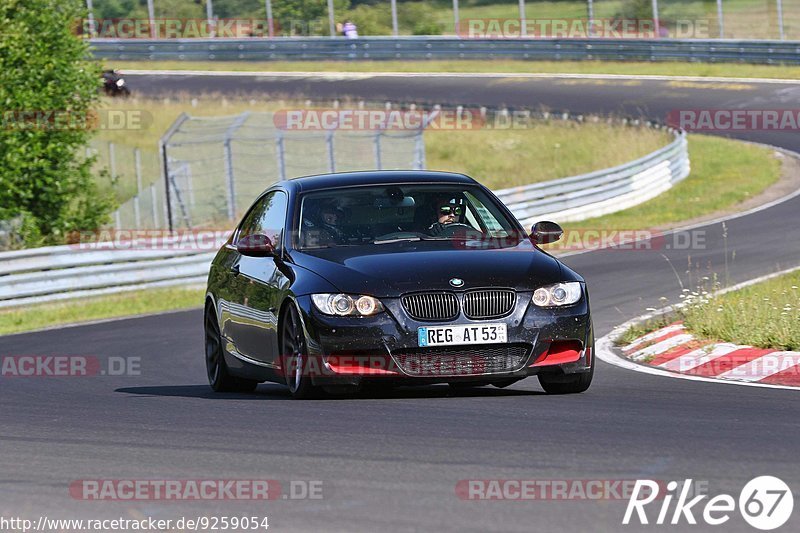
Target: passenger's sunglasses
(450, 210)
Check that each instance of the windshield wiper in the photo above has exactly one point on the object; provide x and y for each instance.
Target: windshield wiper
(398, 239)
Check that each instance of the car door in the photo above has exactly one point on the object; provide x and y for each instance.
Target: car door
(258, 284)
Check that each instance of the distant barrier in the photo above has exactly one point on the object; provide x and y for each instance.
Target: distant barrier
(416, 48)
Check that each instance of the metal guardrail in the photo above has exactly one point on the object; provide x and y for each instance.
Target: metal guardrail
(601, 192)
(62, 272)
(382, 48)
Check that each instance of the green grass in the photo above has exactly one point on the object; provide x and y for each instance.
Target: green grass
(724, 173)
(118, 305)
(507, 158)
(765, 315)
(480, 66)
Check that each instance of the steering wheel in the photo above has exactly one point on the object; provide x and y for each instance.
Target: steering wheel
(448, 230)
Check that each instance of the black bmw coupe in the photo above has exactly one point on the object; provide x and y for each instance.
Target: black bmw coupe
(396, 278)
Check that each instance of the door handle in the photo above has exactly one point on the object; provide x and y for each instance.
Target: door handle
(235, 270)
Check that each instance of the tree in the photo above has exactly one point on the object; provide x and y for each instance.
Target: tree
(48, 87)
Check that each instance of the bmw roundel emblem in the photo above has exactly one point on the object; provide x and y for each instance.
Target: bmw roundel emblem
(457, 282)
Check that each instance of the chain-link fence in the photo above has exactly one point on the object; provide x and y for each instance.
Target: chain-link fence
(215, 167)
(703, 19)
(135, 177)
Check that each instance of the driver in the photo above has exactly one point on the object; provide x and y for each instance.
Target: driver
(448, 211)
(331, 218)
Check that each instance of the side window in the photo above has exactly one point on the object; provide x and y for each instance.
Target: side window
(267, 217)
(486, 216)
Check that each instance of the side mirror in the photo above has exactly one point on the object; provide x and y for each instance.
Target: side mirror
(545, 232)
(255, 245)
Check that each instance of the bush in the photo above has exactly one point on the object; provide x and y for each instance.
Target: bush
(420, 17)
(371, 20)
(44, 178)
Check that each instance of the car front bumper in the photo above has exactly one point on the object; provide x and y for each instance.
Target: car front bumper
(349, 350)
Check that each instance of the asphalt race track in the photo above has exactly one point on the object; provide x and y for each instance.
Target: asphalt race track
(391, 462)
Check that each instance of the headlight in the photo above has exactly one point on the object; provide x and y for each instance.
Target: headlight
(346, 305)
(120, 83)
(558, 294)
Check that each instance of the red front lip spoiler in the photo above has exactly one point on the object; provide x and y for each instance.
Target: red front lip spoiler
(561, 352)
(361, 365)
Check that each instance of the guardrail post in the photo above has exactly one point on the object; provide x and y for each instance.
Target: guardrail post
(590, 14)
(523, 31)
(720, 20)
(456, 28)
(780, 19)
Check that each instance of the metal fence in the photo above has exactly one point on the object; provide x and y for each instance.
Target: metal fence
(62, 272)
(135, 175)
(418, 48)
(214, 167)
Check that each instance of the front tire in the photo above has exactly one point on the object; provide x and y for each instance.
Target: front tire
(219, 377)
(567, 383)
(294, 356)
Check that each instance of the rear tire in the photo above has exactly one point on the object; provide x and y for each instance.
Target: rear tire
(219, 377)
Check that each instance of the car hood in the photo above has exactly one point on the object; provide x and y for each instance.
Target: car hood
(392, 269)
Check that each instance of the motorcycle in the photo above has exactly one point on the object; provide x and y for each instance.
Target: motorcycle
(114, 84)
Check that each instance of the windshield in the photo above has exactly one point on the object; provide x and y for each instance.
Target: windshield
(384, 214)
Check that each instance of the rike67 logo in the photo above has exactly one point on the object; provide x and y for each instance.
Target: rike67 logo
(765, 503)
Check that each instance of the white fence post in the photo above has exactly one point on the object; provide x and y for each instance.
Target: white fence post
(394, 17)
(151, 19)
(377, 143)
(137, 160)
(331, 21)
(656, 22)
(331, 153)
(270, 24)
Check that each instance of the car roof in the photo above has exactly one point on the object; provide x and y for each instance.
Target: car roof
(375, 177)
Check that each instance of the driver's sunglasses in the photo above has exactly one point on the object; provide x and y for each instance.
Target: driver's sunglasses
(450, 210)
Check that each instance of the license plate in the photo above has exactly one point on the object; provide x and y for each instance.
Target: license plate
(462, 334)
